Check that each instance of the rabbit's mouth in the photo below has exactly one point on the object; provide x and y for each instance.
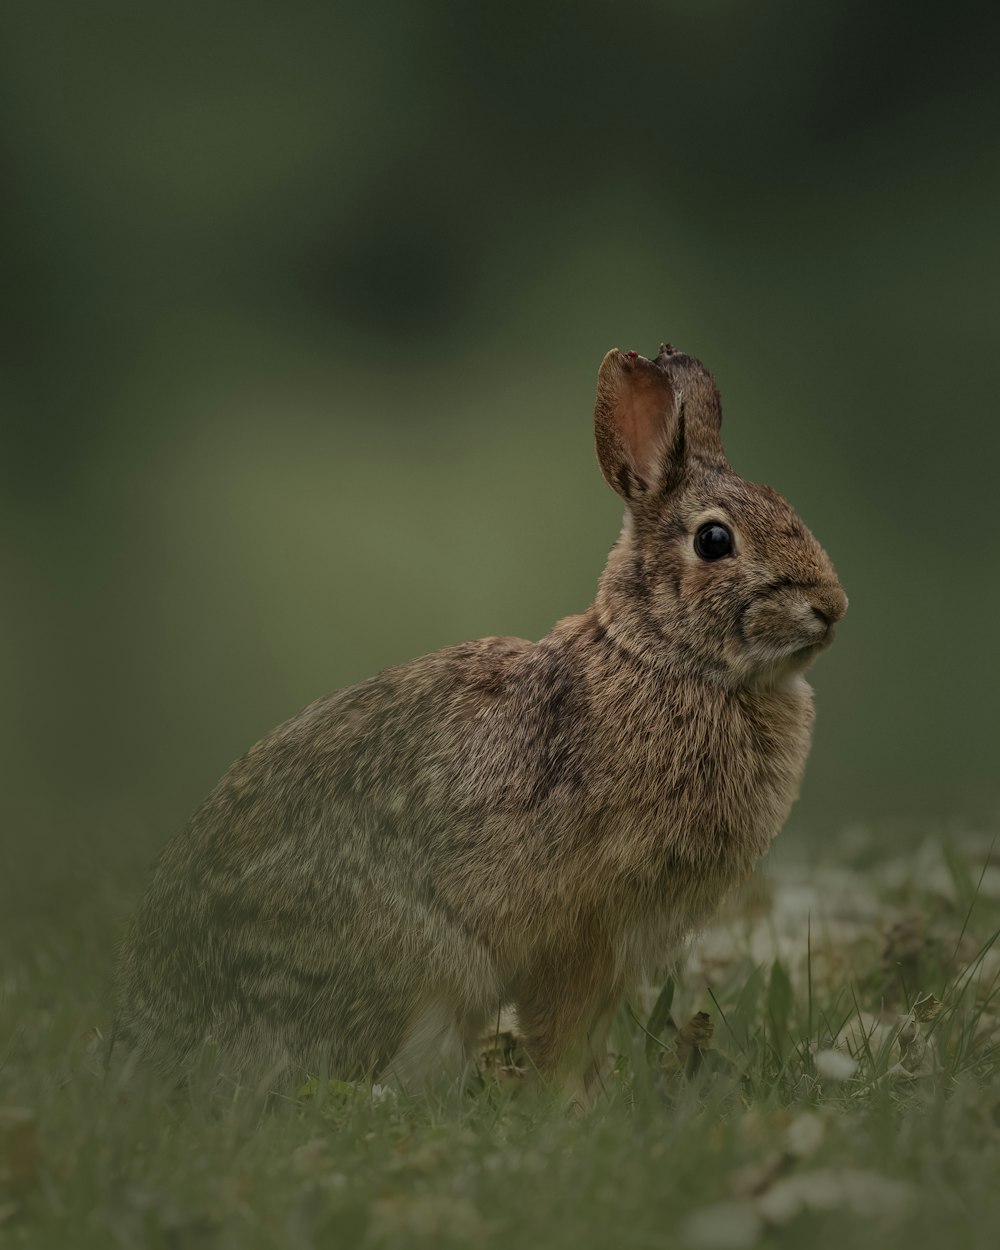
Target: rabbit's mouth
(817, 645)
(779, 639)
(782, 670)
(772, 665)
(805, 653)
(808, 653)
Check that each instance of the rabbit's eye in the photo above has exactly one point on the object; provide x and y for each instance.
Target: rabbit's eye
(713, 541)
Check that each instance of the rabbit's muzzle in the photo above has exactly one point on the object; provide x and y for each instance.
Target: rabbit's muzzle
(795, 623)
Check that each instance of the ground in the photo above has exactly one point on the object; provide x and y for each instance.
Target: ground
(821, 1068)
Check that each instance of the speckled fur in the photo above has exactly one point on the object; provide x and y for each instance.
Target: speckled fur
(506, 821)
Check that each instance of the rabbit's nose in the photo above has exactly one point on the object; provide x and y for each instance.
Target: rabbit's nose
(829, 605)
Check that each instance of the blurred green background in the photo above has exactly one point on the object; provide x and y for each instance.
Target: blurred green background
(303, 306)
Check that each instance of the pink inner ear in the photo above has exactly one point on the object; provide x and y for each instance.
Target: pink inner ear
(643, 407)
(633, 413)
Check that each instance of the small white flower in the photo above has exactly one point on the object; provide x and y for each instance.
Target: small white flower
(834, 1065)
(865, 1194)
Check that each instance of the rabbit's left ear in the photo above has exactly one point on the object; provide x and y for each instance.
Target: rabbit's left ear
(651, 418)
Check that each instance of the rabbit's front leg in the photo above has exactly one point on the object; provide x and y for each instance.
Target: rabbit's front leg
(565, 1006)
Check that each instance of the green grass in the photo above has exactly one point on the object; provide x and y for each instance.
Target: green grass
(744, 1140)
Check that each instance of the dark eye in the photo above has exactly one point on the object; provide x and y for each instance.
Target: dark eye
(713, 541)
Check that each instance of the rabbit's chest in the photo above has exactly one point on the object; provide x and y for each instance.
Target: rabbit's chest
(691, 822)
(712, 790)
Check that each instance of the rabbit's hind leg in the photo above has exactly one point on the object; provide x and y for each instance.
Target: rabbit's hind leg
(433, 1047)
(445, 1021)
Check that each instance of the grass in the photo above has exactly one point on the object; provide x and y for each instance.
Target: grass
(788, 1117)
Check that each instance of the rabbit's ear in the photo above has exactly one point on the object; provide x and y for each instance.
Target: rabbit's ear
(651, 417)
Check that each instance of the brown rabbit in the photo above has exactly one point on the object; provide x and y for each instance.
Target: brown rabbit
(508, 822)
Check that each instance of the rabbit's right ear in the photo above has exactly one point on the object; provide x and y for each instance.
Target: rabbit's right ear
(639, 444)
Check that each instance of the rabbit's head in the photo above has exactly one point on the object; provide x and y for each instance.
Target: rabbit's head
(712, 573)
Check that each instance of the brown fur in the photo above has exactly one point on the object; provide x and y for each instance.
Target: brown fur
(506, 821)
